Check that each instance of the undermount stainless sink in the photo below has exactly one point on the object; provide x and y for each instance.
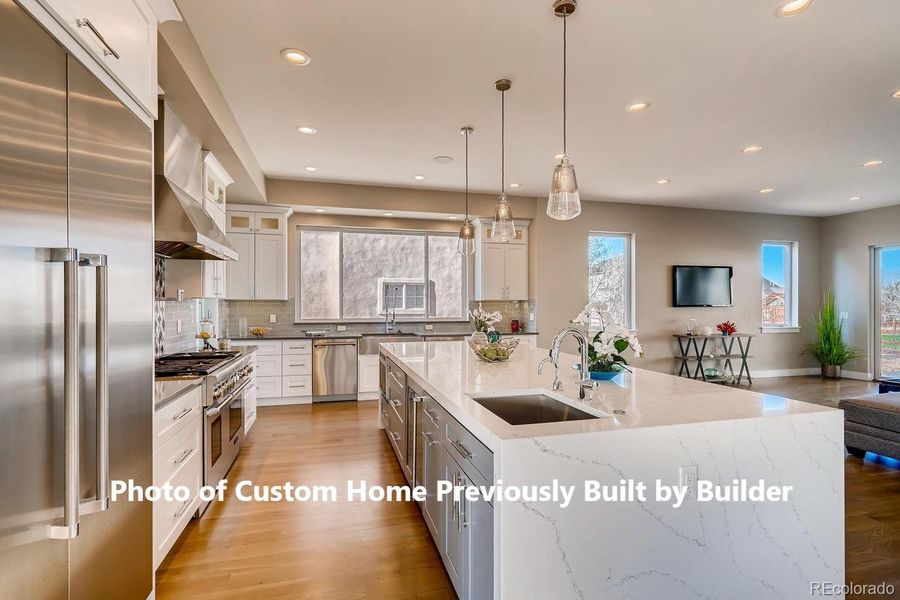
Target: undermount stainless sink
(531, 408)
(369, 342)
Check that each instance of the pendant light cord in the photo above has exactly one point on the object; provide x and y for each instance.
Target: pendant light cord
(565, 19)
(502, 142)
(467, 177)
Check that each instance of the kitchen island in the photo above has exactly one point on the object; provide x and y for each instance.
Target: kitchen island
(643, 427)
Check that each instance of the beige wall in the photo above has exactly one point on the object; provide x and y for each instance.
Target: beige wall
(664, 237)
(312, 193)
(847, 242)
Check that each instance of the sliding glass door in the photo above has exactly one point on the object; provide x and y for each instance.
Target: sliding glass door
(887, 311)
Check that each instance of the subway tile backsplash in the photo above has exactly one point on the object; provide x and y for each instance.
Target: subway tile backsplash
(237, 316)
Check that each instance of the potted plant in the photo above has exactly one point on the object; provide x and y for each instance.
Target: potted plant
(606, 353)
(727, 328)
(484, 320)
(830, 349)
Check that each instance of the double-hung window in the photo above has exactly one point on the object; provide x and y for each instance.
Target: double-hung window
(610, 274)
(779, 285)
(349, 274)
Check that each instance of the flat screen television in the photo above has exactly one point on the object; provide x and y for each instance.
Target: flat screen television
(701, 286)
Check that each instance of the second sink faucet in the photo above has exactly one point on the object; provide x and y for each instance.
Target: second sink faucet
(389, 320)
(584, 383)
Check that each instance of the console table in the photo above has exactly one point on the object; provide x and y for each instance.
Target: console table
(694, 349)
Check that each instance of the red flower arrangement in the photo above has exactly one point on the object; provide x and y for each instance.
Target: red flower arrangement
(727, 328)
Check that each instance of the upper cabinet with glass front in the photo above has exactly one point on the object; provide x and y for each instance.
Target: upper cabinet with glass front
(501, 268)
(259, 233)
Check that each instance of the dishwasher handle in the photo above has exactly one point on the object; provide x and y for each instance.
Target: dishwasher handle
(321, 344)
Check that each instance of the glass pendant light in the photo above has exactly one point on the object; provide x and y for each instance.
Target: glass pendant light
(466, 243)
(503, 229)
(564, 202)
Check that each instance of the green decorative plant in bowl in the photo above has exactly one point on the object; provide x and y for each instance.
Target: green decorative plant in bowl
(830, 349)
(494, 351)
(606, 352)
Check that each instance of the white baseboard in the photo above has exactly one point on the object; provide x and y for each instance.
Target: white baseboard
(785, 373)
(807, 371)
(284, 401)
(365, 396)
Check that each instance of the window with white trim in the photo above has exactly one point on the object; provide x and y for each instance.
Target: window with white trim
(779, 266)
(354, 274)
(610, 274)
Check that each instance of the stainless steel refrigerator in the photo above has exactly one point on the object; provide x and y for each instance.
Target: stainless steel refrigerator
(76, 349)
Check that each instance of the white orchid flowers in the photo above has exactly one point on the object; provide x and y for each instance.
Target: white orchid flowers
(484, 321)
(611, 341)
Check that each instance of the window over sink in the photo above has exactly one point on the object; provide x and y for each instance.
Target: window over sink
(352, 274)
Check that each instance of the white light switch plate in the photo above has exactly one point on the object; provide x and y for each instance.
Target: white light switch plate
(342, 328)
(271, 318)
(429, 327)
(687, 477)
(845, 315)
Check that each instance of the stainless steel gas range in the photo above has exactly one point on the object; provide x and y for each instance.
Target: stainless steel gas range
(226, 376)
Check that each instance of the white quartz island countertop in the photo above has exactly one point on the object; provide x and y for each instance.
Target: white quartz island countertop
(652, 426)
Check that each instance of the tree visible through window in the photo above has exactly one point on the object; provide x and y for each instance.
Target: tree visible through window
(609, 273)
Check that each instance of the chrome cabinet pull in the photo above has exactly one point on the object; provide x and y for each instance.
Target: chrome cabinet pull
(395, 378)
(184, 455)
(107, 49)
(429, 439)
(417, 398)
(395, 403)
(432, 415)
(72, 497)
(101, 270)
(396, 436)
(182, 414)
(464, 514)
(461, 449)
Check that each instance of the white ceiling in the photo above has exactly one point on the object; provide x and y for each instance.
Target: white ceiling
(390, 84)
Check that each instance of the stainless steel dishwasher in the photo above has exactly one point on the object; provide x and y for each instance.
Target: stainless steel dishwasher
(334, 370)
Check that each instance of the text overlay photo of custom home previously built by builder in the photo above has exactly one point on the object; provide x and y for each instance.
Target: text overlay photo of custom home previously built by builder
(481, 300)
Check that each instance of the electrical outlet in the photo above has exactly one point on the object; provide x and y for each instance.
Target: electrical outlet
(429, 327)
(687, 478)
(342, 328)
(845, 315)
(271, 318)
(178, 325)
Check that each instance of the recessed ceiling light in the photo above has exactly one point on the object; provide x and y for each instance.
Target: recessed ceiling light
(663, 181)
(789, 8)
(443, 159)
(320, 210)
(452, 218)
(873, 163)
(514, 185)
(309, 169)
(389, 214)
(751, 149)
(306, 130)
(638, 107)
(419, 177)
(766, 191)
(854, 198)
(295, 57)
(896, 95)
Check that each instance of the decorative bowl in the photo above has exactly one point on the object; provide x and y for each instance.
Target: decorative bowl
(493, 351)
(259, 331)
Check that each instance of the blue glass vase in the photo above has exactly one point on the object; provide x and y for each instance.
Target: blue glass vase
(604, 375)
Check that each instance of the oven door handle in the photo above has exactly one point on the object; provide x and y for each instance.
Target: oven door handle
(212, 411)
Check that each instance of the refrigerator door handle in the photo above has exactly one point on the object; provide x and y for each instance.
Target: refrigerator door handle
(68, 529)
(99, 263)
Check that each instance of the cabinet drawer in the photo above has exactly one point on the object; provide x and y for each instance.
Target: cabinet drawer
(297, 385)
(171, 418)
(296, 364)
(170, 460)
(170, 518)
(296, 347)
(269, 348)
(268, 365)
(467, 450)
(268, 387)
(396, 434)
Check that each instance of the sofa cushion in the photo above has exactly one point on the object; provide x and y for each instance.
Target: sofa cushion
(876, 410)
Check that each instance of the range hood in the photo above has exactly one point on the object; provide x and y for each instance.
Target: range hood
(183, 230)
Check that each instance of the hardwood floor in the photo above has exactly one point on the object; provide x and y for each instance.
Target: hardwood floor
(383, 550)
(304, 550)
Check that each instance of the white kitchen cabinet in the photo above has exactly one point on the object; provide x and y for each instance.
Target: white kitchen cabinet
(368, 377)
(250, 398)
(260, 237)
(501, 269)
(283, 370)
(120, 35)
